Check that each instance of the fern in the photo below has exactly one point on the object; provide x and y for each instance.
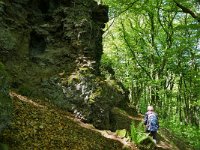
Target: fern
(137, 135)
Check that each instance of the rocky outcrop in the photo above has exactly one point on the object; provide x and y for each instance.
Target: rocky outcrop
(52, 51)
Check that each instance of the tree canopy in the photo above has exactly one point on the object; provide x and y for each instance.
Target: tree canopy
(154, 48)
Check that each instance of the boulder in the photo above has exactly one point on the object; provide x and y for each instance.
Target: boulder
(91, 98)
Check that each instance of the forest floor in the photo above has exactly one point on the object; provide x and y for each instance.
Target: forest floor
(40, 125)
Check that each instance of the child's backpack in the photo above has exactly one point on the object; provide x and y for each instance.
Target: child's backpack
(152, 122)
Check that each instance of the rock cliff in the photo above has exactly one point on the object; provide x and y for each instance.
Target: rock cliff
(52, 51)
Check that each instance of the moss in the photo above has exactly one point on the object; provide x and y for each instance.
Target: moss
(84, 69)
(1, 67)
(120, 119)
(4, 147)
(113, 84)
(5, 105)
(25, 90)
(5, 100)
(3, 80)
(74, 78)
(7, 39)
(3, 73)
(121, 133)
(147, 144)
(94, 95)
(119, 111)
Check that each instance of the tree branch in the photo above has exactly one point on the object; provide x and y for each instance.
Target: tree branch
(187, 10)
(126, 9)
(132, 51)
(113, 18)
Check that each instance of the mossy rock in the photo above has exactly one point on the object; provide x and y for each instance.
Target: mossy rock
(91, 97)
(121, 133)
(147, 144)
(120, 119)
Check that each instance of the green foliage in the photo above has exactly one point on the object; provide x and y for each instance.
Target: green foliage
(187, 133)
(4, 85)
(3, 78)
(106, 61)
(7, 39)
(25, 90)
(3, 146)
(5, 100)
(137, 135)
(154, 50)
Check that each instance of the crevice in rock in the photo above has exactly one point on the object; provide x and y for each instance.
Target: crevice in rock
(37, 44)
(43, 5)
(67, 3)
(100, 15)
(48, 6)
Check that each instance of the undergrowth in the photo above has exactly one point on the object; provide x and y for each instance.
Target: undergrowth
(137, 134)
(187, 133)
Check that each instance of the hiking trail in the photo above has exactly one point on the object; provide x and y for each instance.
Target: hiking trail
(35, 121)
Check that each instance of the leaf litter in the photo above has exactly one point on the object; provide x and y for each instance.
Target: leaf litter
(39, 125)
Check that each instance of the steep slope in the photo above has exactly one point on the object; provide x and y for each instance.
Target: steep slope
(38, 125)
